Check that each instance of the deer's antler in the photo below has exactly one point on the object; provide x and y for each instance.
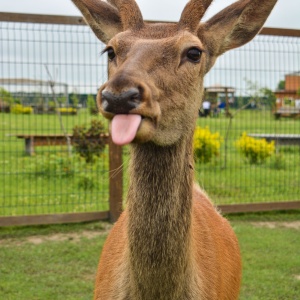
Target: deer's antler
(193, 13)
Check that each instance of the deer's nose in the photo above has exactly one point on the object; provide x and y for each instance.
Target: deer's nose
(121, 103)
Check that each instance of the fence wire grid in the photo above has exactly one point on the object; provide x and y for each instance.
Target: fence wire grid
(49, 76)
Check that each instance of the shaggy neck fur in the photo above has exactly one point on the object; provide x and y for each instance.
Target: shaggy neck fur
(159, 226)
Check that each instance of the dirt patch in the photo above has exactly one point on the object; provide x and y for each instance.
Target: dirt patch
(62, 237)
(274, 225)
(297, 277)
(57, 237)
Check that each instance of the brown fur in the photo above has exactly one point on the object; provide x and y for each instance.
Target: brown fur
(170, 242)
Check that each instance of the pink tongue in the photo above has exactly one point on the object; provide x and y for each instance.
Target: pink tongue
(124, 128)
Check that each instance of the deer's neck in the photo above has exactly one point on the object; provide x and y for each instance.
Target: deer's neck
(159, 208)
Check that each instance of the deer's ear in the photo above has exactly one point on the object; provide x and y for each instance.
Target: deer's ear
(235, 25)
(102, 17)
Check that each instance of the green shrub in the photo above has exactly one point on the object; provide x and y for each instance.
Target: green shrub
(53, 165)
(67, 110)
(87, 181)
(64, 166)
(206, 144)
(254, 150)
(20, 109)
(88, 141)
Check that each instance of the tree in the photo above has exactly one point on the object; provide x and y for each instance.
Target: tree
(269, 96)
(74, 100)
(61, 100)
(281, 85)
(91, 104)
(255, 93)
(260, 96)
(6, 96)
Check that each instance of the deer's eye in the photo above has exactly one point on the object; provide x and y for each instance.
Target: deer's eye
(111, 53)
(194, 54)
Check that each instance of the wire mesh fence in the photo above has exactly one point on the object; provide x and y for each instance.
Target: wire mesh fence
(49, 76)
(255, 91)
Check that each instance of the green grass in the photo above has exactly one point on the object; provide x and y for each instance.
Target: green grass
(62, 264)
(271, 261)
(227, 179)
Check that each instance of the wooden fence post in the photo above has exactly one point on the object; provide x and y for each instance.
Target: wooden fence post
(115, 181)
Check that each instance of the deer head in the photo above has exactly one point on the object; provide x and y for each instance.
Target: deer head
(156, 71)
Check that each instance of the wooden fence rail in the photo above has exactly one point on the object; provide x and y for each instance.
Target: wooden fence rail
(77, 20)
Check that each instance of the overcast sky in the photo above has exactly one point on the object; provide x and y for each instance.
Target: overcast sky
(285, 15)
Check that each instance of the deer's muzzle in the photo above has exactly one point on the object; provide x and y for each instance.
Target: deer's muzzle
(121, 103)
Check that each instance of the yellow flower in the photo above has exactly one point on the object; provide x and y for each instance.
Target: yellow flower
(206, 144)
(256, 150)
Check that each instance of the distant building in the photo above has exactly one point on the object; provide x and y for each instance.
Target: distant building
(289, 97)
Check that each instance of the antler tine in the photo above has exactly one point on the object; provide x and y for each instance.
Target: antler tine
(130, 13)
(193, 13)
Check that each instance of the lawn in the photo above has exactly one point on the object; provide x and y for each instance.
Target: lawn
(50, 182)
(59, 262)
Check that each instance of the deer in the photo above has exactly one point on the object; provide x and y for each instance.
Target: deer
(170, 242)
